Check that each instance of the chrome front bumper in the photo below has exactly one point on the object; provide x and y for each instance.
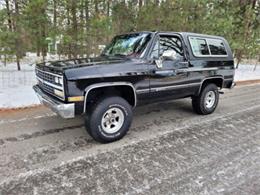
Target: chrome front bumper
(233, 85)
(64, 110)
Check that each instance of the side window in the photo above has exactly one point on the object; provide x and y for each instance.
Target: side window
(171, 43)
(216, 47)
(199, 46)
(167, 43)
(207, 47)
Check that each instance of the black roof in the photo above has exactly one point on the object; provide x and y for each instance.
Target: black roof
(181, 33)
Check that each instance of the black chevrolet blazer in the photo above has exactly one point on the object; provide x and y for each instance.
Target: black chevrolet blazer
(134, 69)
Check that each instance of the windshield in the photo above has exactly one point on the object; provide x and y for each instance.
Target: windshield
(131, 45)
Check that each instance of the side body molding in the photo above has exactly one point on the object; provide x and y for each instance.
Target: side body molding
(108, 84)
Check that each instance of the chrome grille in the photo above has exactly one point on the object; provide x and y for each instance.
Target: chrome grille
(46, 81)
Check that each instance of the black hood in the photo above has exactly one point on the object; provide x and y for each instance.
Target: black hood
(80, 62)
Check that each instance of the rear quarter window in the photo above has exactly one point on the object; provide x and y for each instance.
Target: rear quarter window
(216, 47)
(207, 47)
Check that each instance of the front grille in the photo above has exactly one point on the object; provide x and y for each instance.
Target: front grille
(46, 81)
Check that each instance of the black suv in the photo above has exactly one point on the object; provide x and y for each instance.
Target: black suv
(134, 69)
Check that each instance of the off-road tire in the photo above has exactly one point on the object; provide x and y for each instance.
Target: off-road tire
(198, 102)
(93, 122)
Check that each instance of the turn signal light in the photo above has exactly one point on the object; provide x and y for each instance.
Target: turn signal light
(76, 99)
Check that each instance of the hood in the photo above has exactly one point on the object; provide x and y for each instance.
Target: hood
(98, 67)
(111, 68)
(80, 62)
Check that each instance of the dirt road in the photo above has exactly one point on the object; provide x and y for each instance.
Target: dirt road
(168, 150)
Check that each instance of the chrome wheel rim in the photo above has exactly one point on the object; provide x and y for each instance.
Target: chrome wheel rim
(112, 120)
(210, 99)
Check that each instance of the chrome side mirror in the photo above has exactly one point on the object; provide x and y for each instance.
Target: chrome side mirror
(167, 55)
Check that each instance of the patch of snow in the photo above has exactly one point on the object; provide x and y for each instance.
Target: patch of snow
(16, 89)
(20, 96)
(246, 72)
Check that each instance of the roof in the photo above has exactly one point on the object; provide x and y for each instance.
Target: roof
(181, 33)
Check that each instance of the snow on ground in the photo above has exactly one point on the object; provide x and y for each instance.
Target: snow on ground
(16, 86)
(246, 72)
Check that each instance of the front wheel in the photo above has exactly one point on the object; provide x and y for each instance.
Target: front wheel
(207, 101)
(110, 119)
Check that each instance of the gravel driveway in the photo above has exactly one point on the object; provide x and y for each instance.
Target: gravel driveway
(168, 150)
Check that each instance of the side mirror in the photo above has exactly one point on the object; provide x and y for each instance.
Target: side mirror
(169, 55)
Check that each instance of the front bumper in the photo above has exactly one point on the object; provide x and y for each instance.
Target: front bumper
(64, 110)
(233, 85)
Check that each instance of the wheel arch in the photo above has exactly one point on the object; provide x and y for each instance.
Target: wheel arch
(218, 80)
(117, 86)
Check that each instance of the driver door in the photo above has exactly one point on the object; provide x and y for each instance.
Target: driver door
(168, 74)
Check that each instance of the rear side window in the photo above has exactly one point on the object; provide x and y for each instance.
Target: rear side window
(204, 47)
(199, 46)
(216, 47)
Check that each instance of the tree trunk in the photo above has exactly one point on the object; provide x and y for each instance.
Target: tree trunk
(96, 6)
(17, 31)
(140, 4)
(87, 25)
(75, 28)
(43, 34)
(55, 24)
(108, 16)
(55, 14)
(81, 28)
(86, 13)
(9, 15)
(5, 59)
(68, 48)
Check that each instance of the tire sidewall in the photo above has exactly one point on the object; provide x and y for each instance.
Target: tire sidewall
(207, 89)
(95, 121)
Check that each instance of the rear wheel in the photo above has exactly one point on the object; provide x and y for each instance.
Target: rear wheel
(109, 119)
(207, 101)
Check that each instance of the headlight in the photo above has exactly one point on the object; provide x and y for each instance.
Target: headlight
(58, 80)
(59, 93)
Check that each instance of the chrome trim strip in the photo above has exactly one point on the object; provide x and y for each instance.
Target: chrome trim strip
(107, 84)
(200, 69)
(229, 79)
(155, 89)
(164, 71)
(50, 84)
(138, 91)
